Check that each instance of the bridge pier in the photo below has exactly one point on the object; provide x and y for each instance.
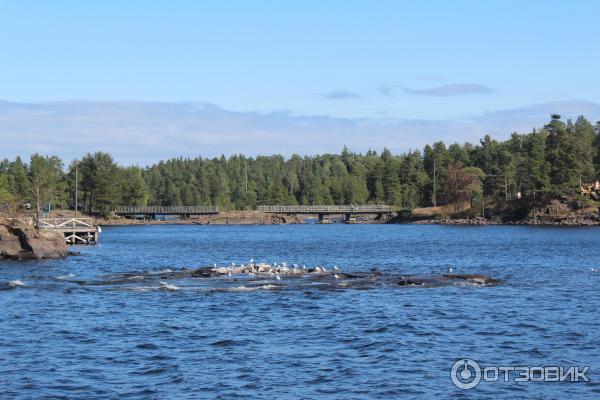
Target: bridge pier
(345, 210)
(79, 237)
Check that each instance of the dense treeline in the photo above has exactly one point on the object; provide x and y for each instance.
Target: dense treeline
(546, 163)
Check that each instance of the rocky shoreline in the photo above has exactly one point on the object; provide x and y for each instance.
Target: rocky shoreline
(541, 221)
(256, 276)
(226, 219)
(258, 218)
(223, 218)
(22, 242)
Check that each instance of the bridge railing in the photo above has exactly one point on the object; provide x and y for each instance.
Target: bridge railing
(54, 223)
(326, 209)
(166, 210)
(66, 223)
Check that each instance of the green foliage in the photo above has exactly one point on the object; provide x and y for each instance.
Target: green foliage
(99, 181)
(597, 149)
(584, 138)
(46, 185)
(561, 155)
(461, 184)
(6, 198)
(18, 180)
(134, 189)
(550, 162)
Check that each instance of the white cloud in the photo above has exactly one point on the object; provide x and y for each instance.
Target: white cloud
(459, 89)
(341, 94)
(145, 132)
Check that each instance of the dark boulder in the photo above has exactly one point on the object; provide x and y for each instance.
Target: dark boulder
(26, 242)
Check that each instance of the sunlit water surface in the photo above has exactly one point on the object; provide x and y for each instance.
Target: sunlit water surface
(67, 332)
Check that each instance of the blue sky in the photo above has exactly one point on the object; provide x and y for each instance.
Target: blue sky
(427, 60)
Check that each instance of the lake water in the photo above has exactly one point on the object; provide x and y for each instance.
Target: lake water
(74, 331)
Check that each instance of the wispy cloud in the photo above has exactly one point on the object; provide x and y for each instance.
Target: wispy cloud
(387, 90)
(145, 132)
(458, 89)
(341, 94)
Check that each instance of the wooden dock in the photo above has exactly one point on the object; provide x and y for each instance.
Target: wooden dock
(76, 230)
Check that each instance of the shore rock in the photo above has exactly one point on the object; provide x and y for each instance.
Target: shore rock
(543, 220)
(222, 218)
(247, 218)
(565, 221)
(456, 221)
(26, 242)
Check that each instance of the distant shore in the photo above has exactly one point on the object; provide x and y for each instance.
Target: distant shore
(260, 218)
(222, 218)
(228, 218)
(542, 221)
(257, 218)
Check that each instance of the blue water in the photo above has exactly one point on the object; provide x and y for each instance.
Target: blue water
(72, 332)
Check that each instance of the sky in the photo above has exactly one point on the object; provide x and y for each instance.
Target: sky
(358, 73)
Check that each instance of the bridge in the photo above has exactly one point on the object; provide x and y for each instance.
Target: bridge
(76, 230)
(165, 210)
(322, 210)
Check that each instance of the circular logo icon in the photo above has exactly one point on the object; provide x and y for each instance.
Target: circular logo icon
(465, 373)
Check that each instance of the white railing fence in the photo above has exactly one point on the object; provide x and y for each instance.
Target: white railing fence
(327, 209)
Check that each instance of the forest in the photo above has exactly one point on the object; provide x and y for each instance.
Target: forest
(544, 164)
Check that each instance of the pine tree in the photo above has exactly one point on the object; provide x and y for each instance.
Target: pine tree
(134, 189)
(561, 156)
(44, 175)
(585, 152)
(597, 149)
(6, 197)
(17, 180)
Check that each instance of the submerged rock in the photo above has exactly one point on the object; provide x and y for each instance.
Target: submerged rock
(474, 278)
(26, 242)
(261, 276)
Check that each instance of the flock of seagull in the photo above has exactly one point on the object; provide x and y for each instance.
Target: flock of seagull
(275, 270)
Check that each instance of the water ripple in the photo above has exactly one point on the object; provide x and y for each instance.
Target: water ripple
(104, 326)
